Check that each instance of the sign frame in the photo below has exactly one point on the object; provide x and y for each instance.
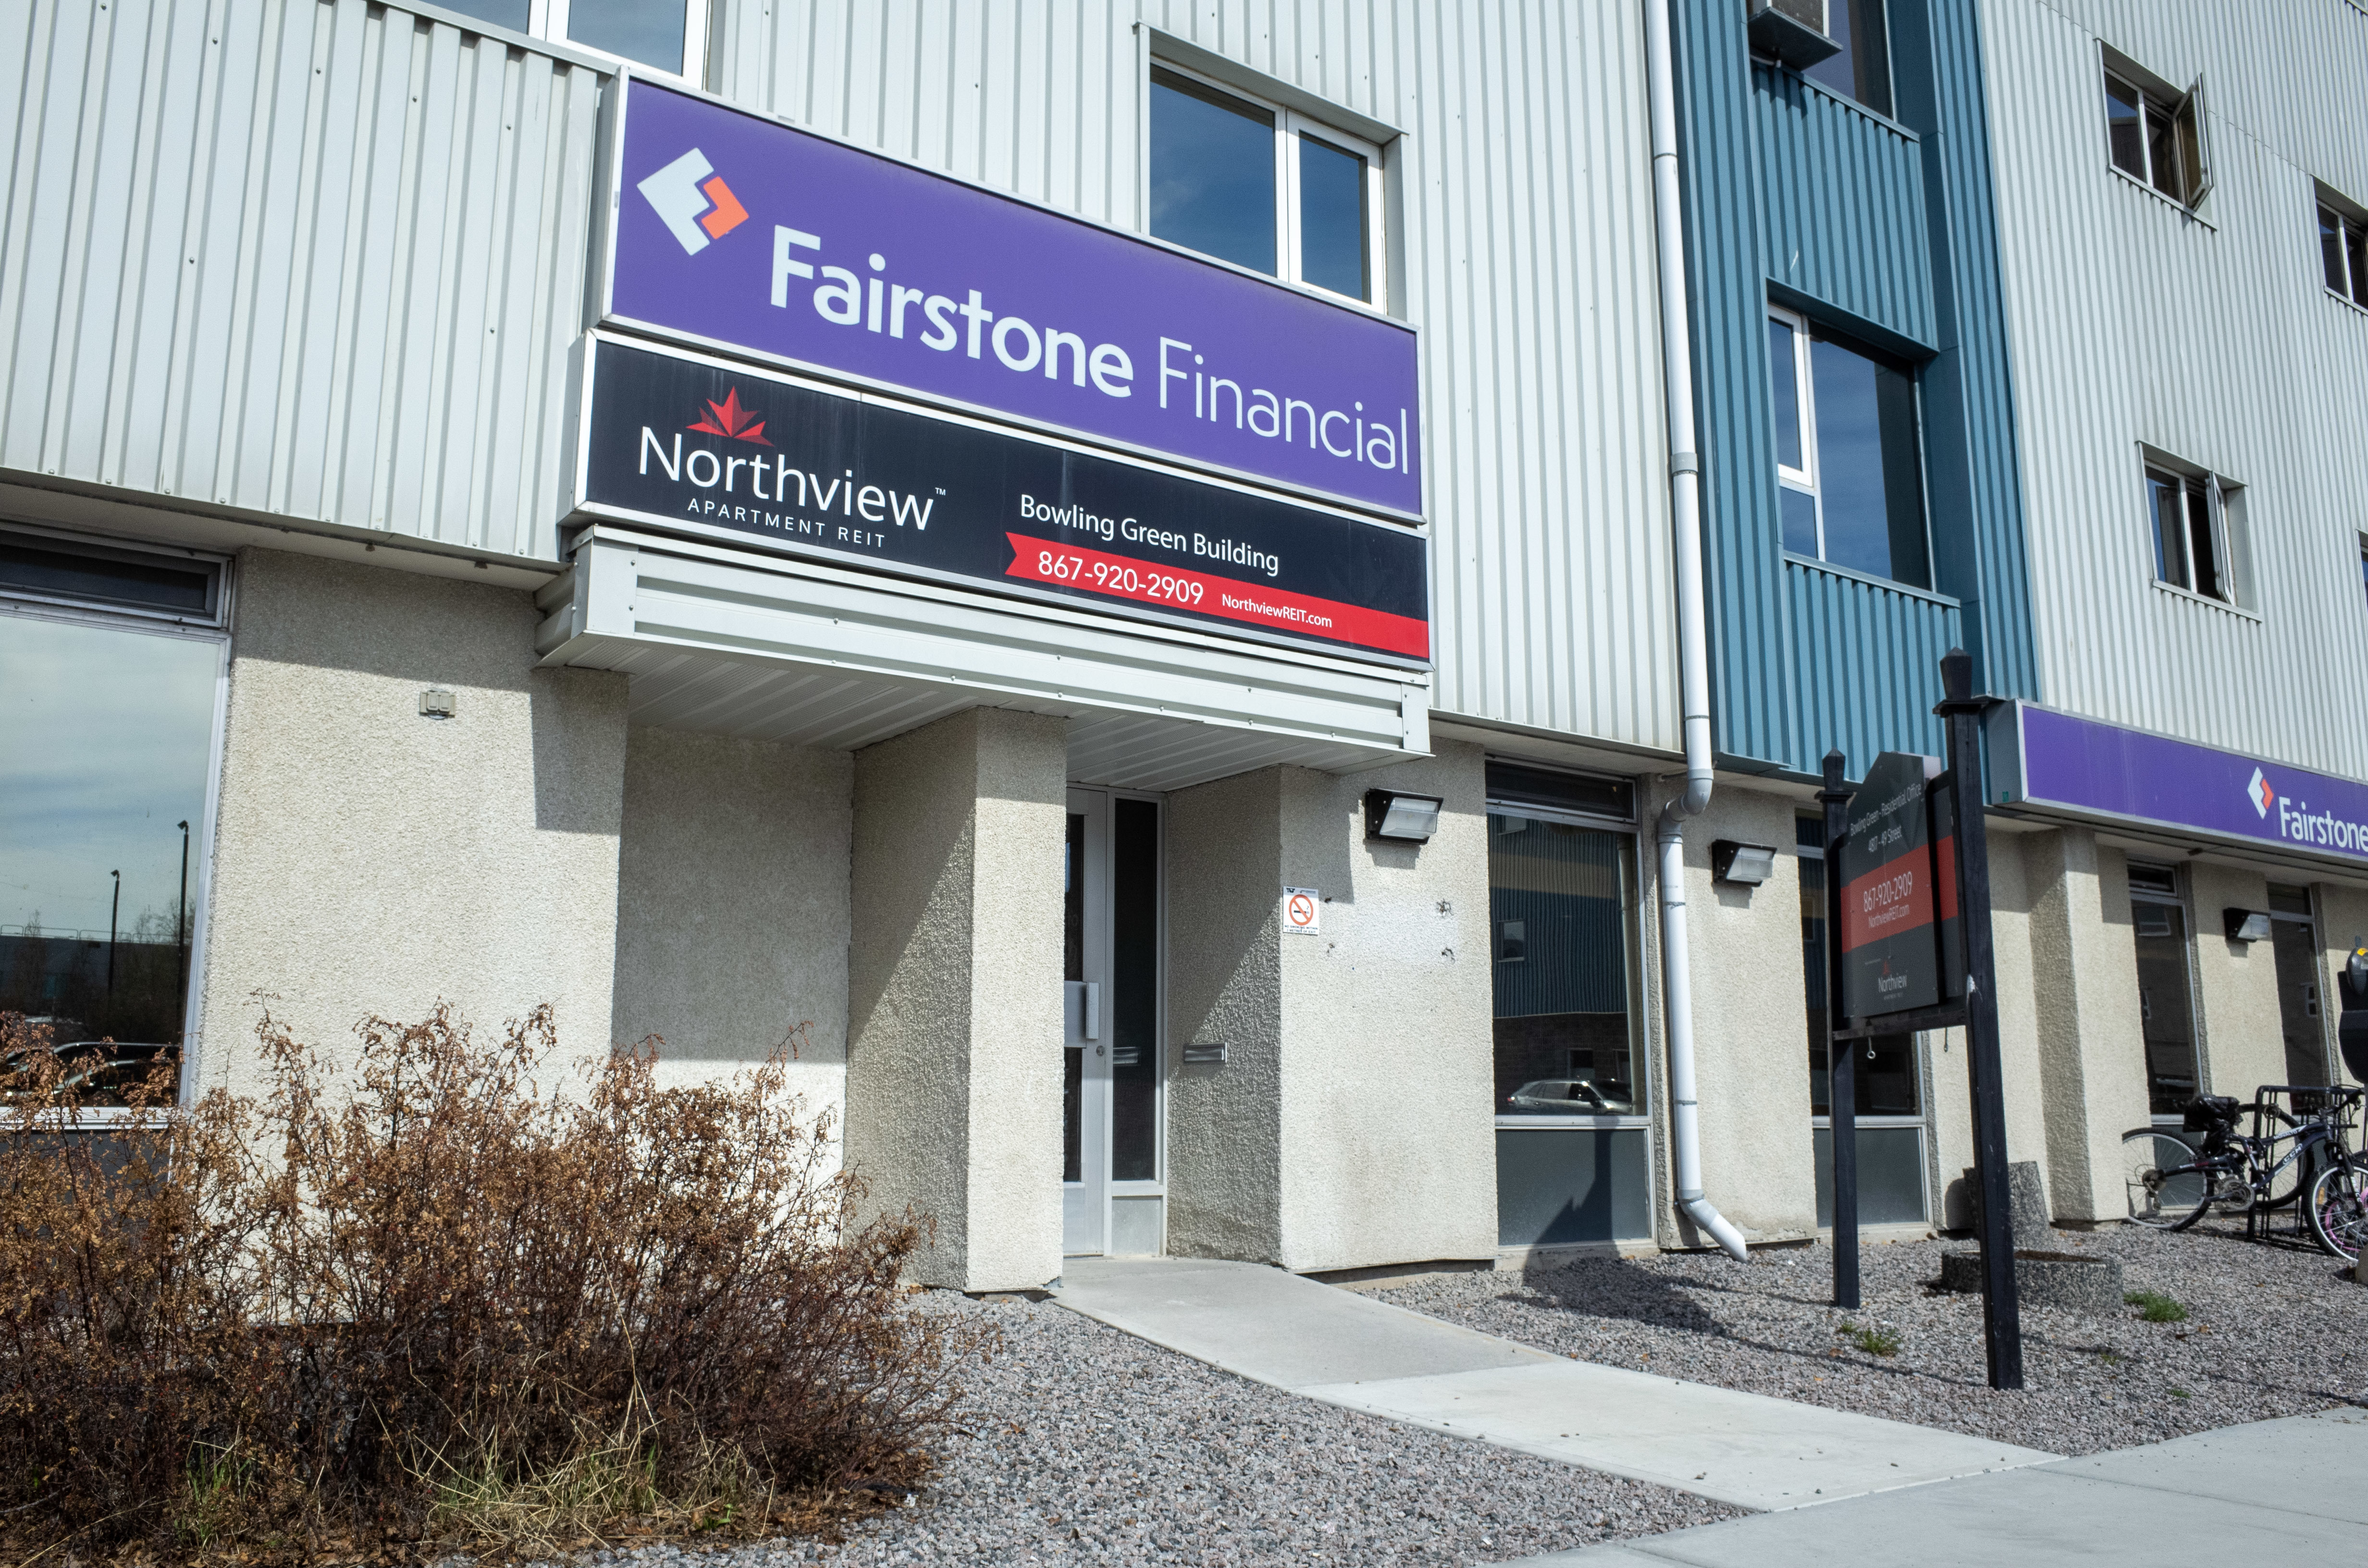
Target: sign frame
(580, 507)
(609, 190)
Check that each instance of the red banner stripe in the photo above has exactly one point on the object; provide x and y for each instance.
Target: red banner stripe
(1944, 861)
(1893, 898)
(1125, 577)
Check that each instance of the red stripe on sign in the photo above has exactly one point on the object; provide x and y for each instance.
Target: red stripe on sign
(1123, 577)
(1895, 897)
(1944, 877)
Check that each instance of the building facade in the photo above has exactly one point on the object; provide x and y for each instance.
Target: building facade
(1118, 579)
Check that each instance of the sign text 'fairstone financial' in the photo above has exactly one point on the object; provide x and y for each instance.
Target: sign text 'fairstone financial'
(745, 233)
(681, 438)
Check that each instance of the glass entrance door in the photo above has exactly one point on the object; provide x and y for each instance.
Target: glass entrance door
(2294, 937)
(1113, 1191)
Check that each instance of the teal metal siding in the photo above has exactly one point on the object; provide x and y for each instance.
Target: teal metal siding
(1841, 205)
(1884, 229)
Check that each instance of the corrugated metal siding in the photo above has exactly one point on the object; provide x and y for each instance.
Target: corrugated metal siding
(1878, 650)
(1527, 262)
(1841, 204)
(320, 259)
(1884, 230)
(2134, 323)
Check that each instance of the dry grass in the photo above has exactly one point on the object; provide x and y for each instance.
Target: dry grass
(449, 1294)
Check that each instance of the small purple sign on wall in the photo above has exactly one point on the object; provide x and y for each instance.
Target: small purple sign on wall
(2085, 765)
(742, 233)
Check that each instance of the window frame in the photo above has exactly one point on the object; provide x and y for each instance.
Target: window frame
(546, 22)
(214, 628)
(2232, 570)
(1290, 125)
(2153, 96)
(2176, 898)
(2351, 237)
(1808, 479)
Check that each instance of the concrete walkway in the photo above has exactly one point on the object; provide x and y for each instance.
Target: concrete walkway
(1350, 1349)
(2272, 1491)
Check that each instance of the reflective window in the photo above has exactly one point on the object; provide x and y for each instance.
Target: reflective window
(2166, 1003)
(2191, 545)
(1134, 990)
(106, 739)
(1849, 466)
(1263, 186)
(1211, 172)
(2157, 137)
(1862, 68)
(667, 35)
(1559, 899)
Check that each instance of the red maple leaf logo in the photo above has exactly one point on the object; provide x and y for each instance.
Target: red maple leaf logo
(730, 420)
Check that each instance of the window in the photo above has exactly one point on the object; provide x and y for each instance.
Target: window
(112, 658)
(2197, 523)
(667, 35)
(1850, 482)
(2363, 561)
(1860, 69)
(2156, 135)
(1263, 188)
(2343, 253)
(2166, 1001)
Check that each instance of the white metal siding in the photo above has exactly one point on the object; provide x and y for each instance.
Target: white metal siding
(2132, 323)
(1527, 262)
(314, 257)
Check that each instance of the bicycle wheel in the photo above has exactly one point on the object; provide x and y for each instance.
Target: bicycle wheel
(2339, 1209)
(2165, 1192)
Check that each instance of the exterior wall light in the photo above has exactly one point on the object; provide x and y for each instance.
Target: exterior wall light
(2246, 924)
(1391, 815)
(1746, 865)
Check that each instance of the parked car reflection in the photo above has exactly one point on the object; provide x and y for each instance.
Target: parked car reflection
(102, 1072)
(1569, 1097)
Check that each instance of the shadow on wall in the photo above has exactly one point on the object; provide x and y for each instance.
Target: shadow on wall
(575, 757)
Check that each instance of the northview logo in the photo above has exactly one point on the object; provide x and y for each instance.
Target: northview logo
(728, 418)
(697, 208)
(740, 490)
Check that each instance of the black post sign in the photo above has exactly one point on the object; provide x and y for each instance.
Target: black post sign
(682, 440)
(1910, 948)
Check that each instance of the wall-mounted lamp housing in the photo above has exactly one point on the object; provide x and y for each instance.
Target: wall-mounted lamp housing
(1746, 865)
(1391, 814)
(1791, 31)
(2246, 924)
(438, 703)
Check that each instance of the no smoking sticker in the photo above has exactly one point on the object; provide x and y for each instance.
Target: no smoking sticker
(1303, 910)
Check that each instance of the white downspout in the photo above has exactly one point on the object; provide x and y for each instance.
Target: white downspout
(1693, 657)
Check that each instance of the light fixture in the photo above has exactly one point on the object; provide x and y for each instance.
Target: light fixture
(1391, 813)
(1746, 865)
(2246, 924)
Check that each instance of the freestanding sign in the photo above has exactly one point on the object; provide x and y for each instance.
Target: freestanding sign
(1890, 959)
(684, 439)
(737, 231)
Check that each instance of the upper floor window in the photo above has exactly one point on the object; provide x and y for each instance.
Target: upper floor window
(1849, 470)
(2156, 135)
(1263, 188)
(1860, 68)
(2197, 521)
(2363, 562)
(2343, 253)
(665, 35)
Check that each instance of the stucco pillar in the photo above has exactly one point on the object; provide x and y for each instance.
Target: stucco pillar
(953, 1072)
(1352, 1124)
(2084, 985)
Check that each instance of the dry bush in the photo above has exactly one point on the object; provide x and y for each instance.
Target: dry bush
(445, 1297)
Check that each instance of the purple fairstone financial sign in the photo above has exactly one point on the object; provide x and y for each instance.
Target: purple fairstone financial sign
(2103, 768)
(742, 233)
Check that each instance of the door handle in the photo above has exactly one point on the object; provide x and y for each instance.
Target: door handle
(1093, 1009)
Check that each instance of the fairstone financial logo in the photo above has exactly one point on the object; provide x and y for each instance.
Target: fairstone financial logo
(695, 203)
(2261, 795)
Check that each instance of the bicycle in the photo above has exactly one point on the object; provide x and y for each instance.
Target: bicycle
(2172, 1183)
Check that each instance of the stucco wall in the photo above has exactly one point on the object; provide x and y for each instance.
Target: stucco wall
(1751, 1031)
(1388, 1115)
(2235, 984)
(1224, 984)
(731, 907)
(2091, 1055)
(369, 859)
(953, 1066)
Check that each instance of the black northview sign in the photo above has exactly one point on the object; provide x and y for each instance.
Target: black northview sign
(675, 439)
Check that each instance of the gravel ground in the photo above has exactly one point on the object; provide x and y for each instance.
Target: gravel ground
(1087, 1446)
(2272, 1330)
